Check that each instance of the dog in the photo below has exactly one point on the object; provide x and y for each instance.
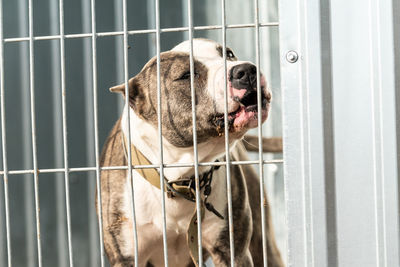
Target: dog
(177, 135)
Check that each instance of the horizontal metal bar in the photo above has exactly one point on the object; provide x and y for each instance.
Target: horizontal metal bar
(118, 33)
(112, 168)
(218, 27)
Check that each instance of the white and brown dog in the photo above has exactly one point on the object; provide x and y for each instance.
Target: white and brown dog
(177, 134)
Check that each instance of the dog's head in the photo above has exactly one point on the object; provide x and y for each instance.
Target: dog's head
(209, 90)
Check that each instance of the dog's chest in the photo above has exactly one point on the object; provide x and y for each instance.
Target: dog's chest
(148, 205)
(149, 219)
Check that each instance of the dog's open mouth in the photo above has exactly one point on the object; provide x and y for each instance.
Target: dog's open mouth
(247, 110)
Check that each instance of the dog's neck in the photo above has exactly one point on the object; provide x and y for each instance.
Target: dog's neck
(145, 137)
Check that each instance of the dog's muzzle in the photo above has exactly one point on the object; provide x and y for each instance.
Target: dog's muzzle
(243, 89)
(244, 76)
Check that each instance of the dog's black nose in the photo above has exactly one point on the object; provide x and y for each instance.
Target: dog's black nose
(244, 76)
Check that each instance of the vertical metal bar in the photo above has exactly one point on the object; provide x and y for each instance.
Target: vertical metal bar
(151, 19)
(307, 195)
(64, 122)
(61, 218)
(33, 129)
(196, 158)
(328, 133)
(62, 246)
(96, 130)
(185, 34)
(159, 117)
(377, 121)
(396, 52)
(4, 138)
(3, 246)
(119, 73)
(95, 250)
(387, 118)
(260, 151)
(126, 77)
(227, 155)
(27, 158)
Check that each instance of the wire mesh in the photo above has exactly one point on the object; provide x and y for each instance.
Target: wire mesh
(67, 170)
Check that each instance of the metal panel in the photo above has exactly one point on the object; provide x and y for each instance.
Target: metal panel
(302, 92)
(339, 129)
(396, 45)
(361, 159)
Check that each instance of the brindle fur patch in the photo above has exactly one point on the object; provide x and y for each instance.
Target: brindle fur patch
(112, 188)
(253, 189)
(176, 98)
(242, 223)
(246, 219)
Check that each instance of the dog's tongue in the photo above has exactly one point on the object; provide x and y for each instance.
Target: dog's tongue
(242, 117)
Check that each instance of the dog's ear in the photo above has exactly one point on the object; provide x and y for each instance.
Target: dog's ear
(118, 88)
(135, 93)
(133, 90)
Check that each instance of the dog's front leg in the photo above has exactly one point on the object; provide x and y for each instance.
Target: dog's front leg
(220, 248)
(223, 259)
(218, 243)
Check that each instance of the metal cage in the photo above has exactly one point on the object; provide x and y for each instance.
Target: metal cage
(335, 63)
(50, 231)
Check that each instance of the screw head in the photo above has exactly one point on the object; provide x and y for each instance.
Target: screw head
(292, 56)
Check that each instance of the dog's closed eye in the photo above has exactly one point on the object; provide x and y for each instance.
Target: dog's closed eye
(186, 76)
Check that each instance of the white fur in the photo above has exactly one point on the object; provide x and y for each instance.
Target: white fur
(205, 51)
